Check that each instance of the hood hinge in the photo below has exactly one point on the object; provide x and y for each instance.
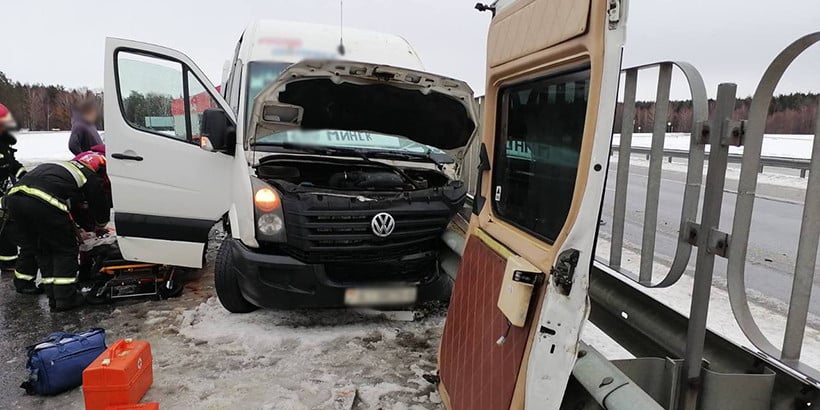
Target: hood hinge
(564, 270)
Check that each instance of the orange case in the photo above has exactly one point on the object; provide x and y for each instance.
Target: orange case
(140, 406)
(120, 375)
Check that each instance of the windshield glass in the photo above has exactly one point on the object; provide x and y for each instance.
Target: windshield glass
(260, 75)
(351, 139)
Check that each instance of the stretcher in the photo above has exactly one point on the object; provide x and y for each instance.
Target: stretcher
(111, 277)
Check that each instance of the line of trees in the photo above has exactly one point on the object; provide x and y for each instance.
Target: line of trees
(794, 113)
(42, 107)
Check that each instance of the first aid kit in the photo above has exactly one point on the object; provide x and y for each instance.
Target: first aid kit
(56, 363)
(119, 376)
(138, 406)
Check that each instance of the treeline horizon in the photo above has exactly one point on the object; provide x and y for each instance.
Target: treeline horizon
(40, 107)
(794, 113)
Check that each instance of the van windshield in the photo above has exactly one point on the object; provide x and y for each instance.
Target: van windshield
(260, 75)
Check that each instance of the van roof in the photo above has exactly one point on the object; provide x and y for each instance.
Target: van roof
(291, 42)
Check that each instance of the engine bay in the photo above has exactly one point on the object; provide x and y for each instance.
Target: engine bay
(294, 173)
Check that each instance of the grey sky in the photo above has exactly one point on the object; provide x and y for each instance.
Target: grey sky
(727, 40)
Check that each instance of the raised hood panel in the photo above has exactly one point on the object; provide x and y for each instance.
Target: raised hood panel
(427, 108)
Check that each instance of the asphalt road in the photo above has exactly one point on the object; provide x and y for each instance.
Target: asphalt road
(773, 241)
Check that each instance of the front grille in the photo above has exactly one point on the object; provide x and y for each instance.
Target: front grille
(324, 234)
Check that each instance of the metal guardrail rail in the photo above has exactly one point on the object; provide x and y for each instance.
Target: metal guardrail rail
(801, 164)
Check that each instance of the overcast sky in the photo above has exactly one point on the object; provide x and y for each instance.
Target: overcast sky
(62, 42)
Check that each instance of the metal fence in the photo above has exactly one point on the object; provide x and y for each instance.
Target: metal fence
(704, 233)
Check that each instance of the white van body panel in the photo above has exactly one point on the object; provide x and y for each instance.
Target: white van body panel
(173, 180)
(291, 42)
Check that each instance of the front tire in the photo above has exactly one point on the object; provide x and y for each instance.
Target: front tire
(227, 282)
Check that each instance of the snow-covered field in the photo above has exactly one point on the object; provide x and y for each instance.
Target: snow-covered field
(35, 147)
(774, 145)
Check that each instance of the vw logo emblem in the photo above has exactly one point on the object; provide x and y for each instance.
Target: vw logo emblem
(383, 224)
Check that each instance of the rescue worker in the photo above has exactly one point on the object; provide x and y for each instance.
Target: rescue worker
(10, 170)
(38, 209)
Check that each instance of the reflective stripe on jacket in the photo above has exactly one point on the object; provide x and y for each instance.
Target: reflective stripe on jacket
(36, 193)
(23, 276)
(59, 281)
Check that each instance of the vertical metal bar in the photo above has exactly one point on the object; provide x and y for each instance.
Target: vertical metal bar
(622, 177)
(704, 267)
(653, 185)
(804, 269)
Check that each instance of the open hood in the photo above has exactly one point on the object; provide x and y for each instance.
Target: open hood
(352, 96)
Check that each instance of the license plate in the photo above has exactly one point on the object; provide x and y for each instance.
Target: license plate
(380, 296)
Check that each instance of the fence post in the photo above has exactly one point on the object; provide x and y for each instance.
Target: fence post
(719, 132)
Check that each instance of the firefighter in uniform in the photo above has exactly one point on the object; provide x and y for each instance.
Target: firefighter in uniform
(39, 217)
(10, 170)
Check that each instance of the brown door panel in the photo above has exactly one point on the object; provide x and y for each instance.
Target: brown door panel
(477, 372)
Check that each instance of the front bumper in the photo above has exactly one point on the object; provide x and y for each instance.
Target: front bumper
(282, 282)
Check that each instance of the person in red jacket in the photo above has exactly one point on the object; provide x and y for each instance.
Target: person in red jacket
(40, 221)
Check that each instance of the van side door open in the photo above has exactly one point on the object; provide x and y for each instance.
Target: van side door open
(520, 298)
(168, 191)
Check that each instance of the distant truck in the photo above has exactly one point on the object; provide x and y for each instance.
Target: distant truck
(334, 175)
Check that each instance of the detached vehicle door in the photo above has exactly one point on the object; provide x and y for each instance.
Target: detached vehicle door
(167, 191)
(520, 297)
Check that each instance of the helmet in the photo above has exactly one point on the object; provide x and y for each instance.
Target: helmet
(6, 117)
(92, 160)
(99, 149)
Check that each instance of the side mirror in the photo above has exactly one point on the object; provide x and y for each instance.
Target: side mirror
(217, 132)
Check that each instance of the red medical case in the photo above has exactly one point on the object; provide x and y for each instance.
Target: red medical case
(120, 375)
(138, 406)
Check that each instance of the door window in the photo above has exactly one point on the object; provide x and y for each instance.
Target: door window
(540, 128)
(161, 96)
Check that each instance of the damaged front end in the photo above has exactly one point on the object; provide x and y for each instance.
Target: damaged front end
(362, 158)
(367, 222)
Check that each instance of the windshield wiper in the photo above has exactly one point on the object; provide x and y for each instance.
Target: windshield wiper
(409, 156)
(364, 155)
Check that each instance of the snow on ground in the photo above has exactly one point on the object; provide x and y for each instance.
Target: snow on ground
(301, 357)
(774, 145)
(207, 358)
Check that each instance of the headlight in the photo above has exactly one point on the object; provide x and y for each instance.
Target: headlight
(270, 220)
(270, 224)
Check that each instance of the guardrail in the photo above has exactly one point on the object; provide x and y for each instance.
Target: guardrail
(803, 165)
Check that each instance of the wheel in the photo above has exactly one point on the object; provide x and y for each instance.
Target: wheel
(226, 282)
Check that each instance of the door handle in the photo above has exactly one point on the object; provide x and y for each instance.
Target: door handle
(127, 157)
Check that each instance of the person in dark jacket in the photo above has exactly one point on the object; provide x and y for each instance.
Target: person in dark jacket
(38, 209)
(10, 170)
(84, 133)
